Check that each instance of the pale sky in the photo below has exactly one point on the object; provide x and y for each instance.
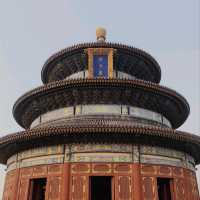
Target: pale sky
(31, 31)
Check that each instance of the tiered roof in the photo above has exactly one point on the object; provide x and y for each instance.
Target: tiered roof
(143, 92)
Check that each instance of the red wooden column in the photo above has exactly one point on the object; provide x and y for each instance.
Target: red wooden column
(137, 190)
(66, 181)
(16, 184)
(11, 185)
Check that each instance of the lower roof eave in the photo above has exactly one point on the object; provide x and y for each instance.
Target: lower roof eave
(155, 136)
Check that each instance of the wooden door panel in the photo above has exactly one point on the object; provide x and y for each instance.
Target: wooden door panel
(79, 188)
(123, 188)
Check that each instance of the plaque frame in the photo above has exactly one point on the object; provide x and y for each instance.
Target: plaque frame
(100, 51)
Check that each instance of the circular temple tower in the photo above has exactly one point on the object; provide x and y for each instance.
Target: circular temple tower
(101, 128)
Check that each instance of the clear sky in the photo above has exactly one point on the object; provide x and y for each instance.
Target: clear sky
(31, 31)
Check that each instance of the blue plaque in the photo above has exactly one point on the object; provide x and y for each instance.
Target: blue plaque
(100, 66)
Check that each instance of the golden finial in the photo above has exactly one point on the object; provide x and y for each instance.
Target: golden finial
(101, 34)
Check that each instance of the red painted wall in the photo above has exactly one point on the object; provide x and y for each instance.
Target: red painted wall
(130, 181)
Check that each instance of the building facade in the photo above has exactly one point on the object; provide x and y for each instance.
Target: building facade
(101, 128)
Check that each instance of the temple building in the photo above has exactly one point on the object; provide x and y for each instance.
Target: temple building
(101, 128)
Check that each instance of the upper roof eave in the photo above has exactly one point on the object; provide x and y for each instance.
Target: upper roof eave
(78, 47)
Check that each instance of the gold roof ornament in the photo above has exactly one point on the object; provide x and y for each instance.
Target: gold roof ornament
(101, 34)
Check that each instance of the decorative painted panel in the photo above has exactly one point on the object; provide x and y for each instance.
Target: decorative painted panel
(100, 153)
(42, 151)
(54, 188)
(79, 188)
(101, 157)
(165, 171)
(194, 191)
(123, 188)
(159, 155)
(56, 114)
(23, 189)
(192, 186)
(11, 185)
(115, 153)
(149, 188)
(26, 172)
(148, 170)
(54, 169)
(179, 189)
(122, 168)
(101, 109)
(101, 168)
(151, 150)
(178, 172)
(39, 171)
(101, 148)
(156, 159)
(80, 168)
(42, 160)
